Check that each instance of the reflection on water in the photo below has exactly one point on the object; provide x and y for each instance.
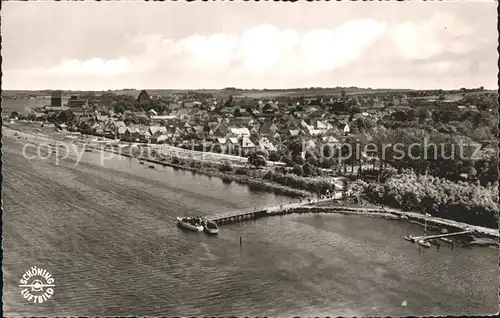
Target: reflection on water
(108, 236)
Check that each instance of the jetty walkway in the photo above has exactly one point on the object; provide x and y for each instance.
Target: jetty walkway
(423, 238)
(252, 213)
(306, 206)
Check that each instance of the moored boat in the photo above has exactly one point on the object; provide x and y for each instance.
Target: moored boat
(210, 227)
(445, 239)
(409, 238)
(424, 243)
(192, 224)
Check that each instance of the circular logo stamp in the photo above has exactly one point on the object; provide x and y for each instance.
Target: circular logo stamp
(37, 285)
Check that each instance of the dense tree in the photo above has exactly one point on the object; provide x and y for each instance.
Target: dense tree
(307, 169)
(226, 167)
(296, 146)
(297, 169)
(274, 156)
(229, 101)
(460, 201)
(257, 159)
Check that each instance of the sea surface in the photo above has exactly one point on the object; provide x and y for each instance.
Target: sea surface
(105, 230)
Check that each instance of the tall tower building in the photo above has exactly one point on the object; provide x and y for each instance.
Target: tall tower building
(56, 99)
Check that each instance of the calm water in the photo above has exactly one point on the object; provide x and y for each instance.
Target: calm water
(108, 236)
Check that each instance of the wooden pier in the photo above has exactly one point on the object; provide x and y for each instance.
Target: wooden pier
(423, 238)
(251, 214)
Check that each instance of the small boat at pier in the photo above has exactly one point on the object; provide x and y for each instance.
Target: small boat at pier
(409, 238)
(447, 240)
(210, 227)
(192, 224)
(434, 242)
(424, 243)
(151, 167)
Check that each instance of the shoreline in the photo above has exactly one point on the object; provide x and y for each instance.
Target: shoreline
(243, 179)
(387, 213)
(255, 183)
(478, 237)
(433, 223)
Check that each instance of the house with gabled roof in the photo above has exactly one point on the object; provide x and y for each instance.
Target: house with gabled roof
(198, 129)
(232, 141)
(157, 130)
(268, 128)
(121, 131)
(330, 140)
(322, 125)
(221, 141)
(174, 132)
(266, 145)
(247, 144)
(294, 132)
(239, 132)
(143, 98)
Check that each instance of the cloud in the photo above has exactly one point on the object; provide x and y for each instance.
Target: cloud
(211, 52)
(441, 33)
(267, 48)
(361, 44)
(262, 48)
(326, 50)
(257, 51)
(95, 66)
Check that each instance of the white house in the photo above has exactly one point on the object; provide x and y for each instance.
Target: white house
(239, 132)
(346, 129)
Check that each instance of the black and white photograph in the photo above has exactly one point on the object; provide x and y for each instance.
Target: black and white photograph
(249, 159)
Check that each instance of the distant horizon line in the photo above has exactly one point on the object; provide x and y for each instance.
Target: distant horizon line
(248, 89)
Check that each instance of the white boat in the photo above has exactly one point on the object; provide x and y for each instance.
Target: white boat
(409, 238)
(424, 243)
(190, 224)
(445, 239)
(210, 227)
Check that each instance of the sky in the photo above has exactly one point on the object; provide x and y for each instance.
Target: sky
(211, 45)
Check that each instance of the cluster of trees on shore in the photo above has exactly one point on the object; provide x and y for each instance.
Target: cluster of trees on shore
(451, 156)
(461, 201)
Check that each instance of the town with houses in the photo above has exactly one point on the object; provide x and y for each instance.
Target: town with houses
(231, 124)
(234, 125)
